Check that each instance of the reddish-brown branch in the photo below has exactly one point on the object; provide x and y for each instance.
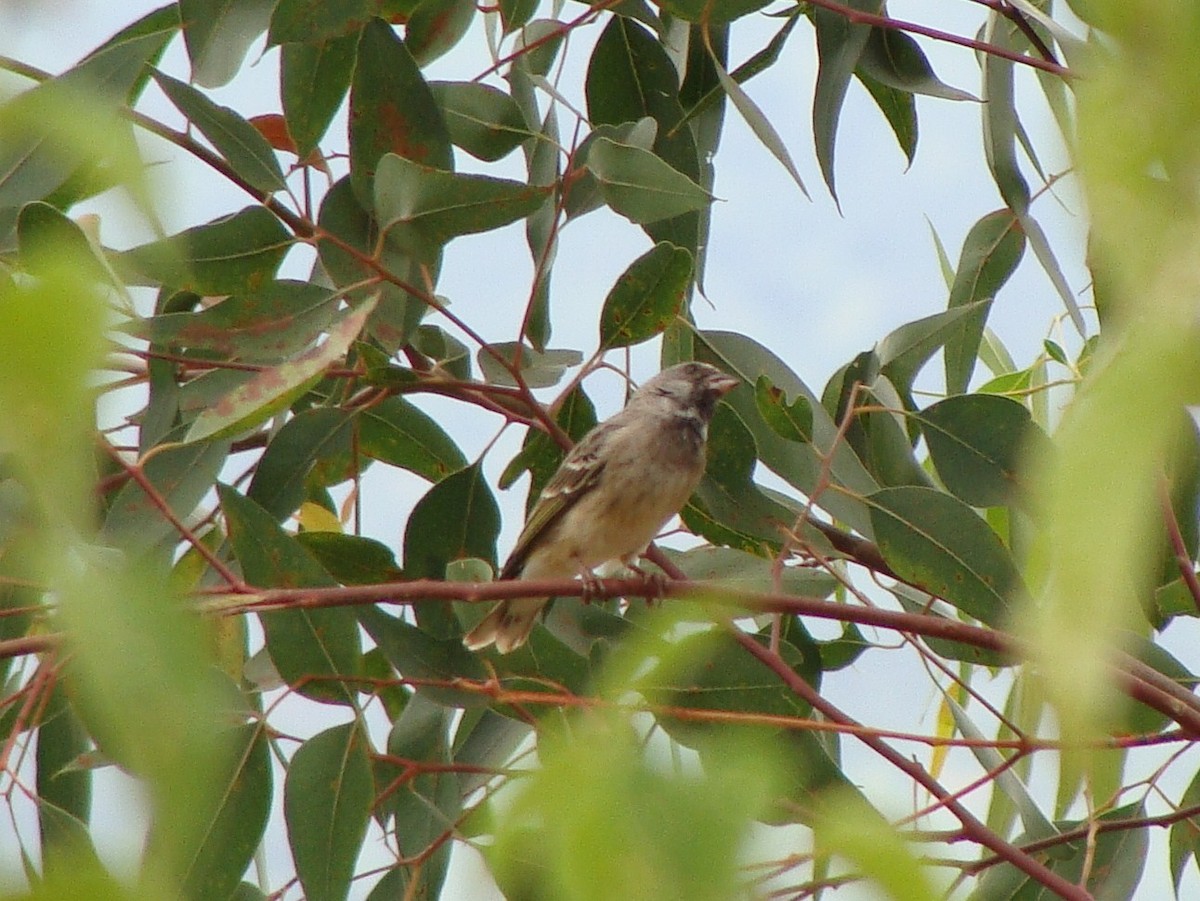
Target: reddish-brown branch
(1183, 558)
(973, 828)
(136, 473)
(858, 17)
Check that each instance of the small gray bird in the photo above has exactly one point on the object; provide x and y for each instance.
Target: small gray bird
(613, 492)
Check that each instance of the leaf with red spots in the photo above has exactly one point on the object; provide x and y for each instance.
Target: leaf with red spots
(274, 389)
(392, 110)
(647, 296)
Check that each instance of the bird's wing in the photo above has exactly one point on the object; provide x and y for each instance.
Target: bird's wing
(577, 475)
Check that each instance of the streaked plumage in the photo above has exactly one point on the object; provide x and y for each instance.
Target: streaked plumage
(613, 492)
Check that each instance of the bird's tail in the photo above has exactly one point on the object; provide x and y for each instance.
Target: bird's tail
(507, 625)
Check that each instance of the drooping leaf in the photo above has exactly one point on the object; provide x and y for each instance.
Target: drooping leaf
(712, 11)
(391, 110)
(180, 475)
(937, 542)
(313, 447)
(398, 433)
(234, 254)
(217, 34)
(647, 296)
(898, 107)
(840, 44)
(419, 655)
(274, 323)
(313, 81)
(990, 254)
(630, 76)
(246, 151)
(356, 257)
(304, 645)
(895, 59)
(327, 802)
(538, 369)
(457, 518)
(236, 823)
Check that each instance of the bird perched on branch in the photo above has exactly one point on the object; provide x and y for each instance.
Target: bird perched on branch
(613, 492)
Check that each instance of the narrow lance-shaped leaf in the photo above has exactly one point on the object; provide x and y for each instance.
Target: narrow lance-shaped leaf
(759, 124)
(990, 255)
(246, 151)
(217, 34)
(313, 81)
(274, 389)
(481, 119)
(839, 46)
(641, 186)
(647, 296)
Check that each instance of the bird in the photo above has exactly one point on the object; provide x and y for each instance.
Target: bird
(612, 493)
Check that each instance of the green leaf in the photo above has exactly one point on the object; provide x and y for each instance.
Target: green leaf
(399, 434)
(428, 805)
(1184, 840)
(840, 43)
(273, 390)
(274, 323)
(391, 110)
(435, 26)
(313, 81)
(759, 124)
(144, 40)
(304, 644)
(419, 655)
(236, 822)
(458, 517)
(728, 507)
(239, 142)
(217, 34)
(976, 442)
(894, 59)
(234, 254)
(914, 601)
(421, 208)
(898, 107)
(303, 21)
(327, 799)
(64, 791)
(647, 296)
(542, 369)
(351, 559)
(398, 312)
(749, 572)
(801, 465)
(712, 12)
(990, 255)
(313, 448)
(641, 186)
(791, 420)
(938, 543)
(903, 352)
(181, 475)
(515, 13)
(630, 76)
(481, 119)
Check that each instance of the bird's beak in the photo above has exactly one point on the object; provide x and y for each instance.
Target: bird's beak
(723, 384)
